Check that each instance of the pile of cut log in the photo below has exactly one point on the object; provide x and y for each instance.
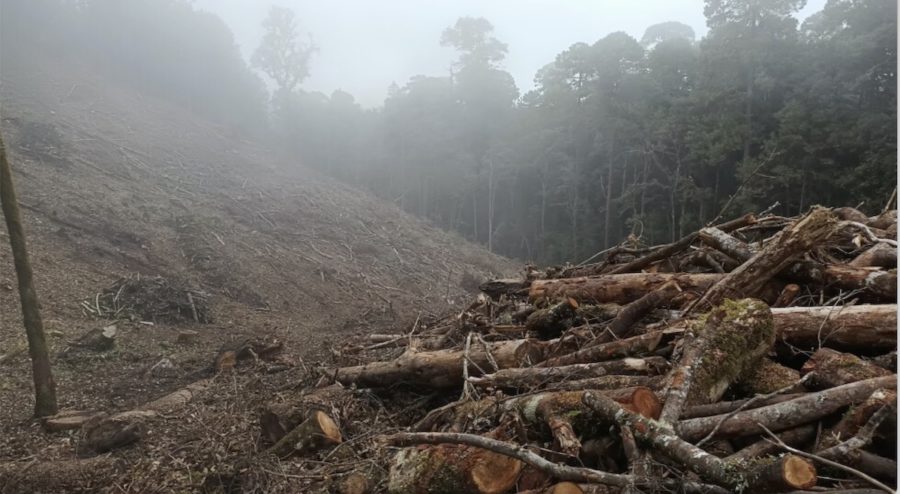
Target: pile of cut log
(758, 355)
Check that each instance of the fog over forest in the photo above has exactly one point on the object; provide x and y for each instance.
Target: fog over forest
(536, 145)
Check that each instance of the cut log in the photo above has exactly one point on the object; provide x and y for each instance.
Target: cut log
(98, 339)
(452, 468)
(768, 377)
(316, 433)
(629, 347)
(616, 288)
(789, 472)
(622, 325)
(277, 418)
(750, 277)
(831, 368)
(788, 294)
(785, 415)
(796, 437)
(105, 432)
(734, 338)
(724, 407)
(879, 255)
(856, 417)
(862, 327)
(440, 368)
(532, 377)
(610, 382)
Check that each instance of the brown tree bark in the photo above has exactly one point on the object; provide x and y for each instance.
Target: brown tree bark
(795, 437)
(856, 417)
(440, 368)
(785, 415)
(879, 255)
(616, 288)
(634, 346)
(831, 368)
(533, 377)
(859, 327)
(768, 377)
(749, 278)
(317, 432)
(44, 386)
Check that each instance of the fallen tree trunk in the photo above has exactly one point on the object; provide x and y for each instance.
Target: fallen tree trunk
(735, 336)
(879, 255)
(440, 368)
(550, 322)
(629, 347)
(748, 279)
(856, 417)
(724, 407)
(532, 377)
(768, 377)
(785, 415)
(795, 437)
(616, 288)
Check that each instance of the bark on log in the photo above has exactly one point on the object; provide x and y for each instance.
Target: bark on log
(857, 417)
(725, 407)
(532, 377)
(104, 432)
(277, 418)
(879, 255)
(616, 288)
(67, 420)
(610, 382)
(792, 472)
(788, 294)
(318, 432)
(440, 368)
(768, 377)
(621, 326)
(496, 288)
(796, 437)
(749, 278)
(859, 327)
(831, 368)
(785, 415)
(629, 347)
(452, 468)
(735, 336)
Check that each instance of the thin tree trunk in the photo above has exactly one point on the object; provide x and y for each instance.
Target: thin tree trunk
(44, 387)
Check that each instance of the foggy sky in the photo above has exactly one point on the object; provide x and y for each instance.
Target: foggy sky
(365, 45)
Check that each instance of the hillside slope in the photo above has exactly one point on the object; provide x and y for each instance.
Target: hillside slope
(115, 183)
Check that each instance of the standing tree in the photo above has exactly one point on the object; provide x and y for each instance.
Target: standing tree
(44, 387)
(281, 55)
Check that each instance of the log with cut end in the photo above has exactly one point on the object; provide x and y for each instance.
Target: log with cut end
(440, 368)
(531, 377)
(748, 279)
(317, 432)
(734, 338)
(785, 415)
(832, 368)
(629, 347)
(452, 468)
(67, 420)
(279, 417)
(789, 472)
(617, 288)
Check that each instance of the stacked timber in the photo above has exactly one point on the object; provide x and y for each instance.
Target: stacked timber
(757, 355)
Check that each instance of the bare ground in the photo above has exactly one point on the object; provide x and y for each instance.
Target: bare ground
(115, 182)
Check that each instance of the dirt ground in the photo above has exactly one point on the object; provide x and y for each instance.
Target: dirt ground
(114, 183)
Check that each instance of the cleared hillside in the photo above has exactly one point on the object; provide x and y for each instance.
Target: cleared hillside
(115, 182)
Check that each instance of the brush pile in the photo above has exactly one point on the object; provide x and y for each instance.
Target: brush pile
(757, 355)
(149, 298)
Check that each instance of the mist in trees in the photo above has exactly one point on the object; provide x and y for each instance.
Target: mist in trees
(651, 137)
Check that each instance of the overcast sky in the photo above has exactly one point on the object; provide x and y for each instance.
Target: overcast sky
(365, 45)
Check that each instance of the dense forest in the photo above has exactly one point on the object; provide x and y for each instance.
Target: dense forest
(651, 137)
